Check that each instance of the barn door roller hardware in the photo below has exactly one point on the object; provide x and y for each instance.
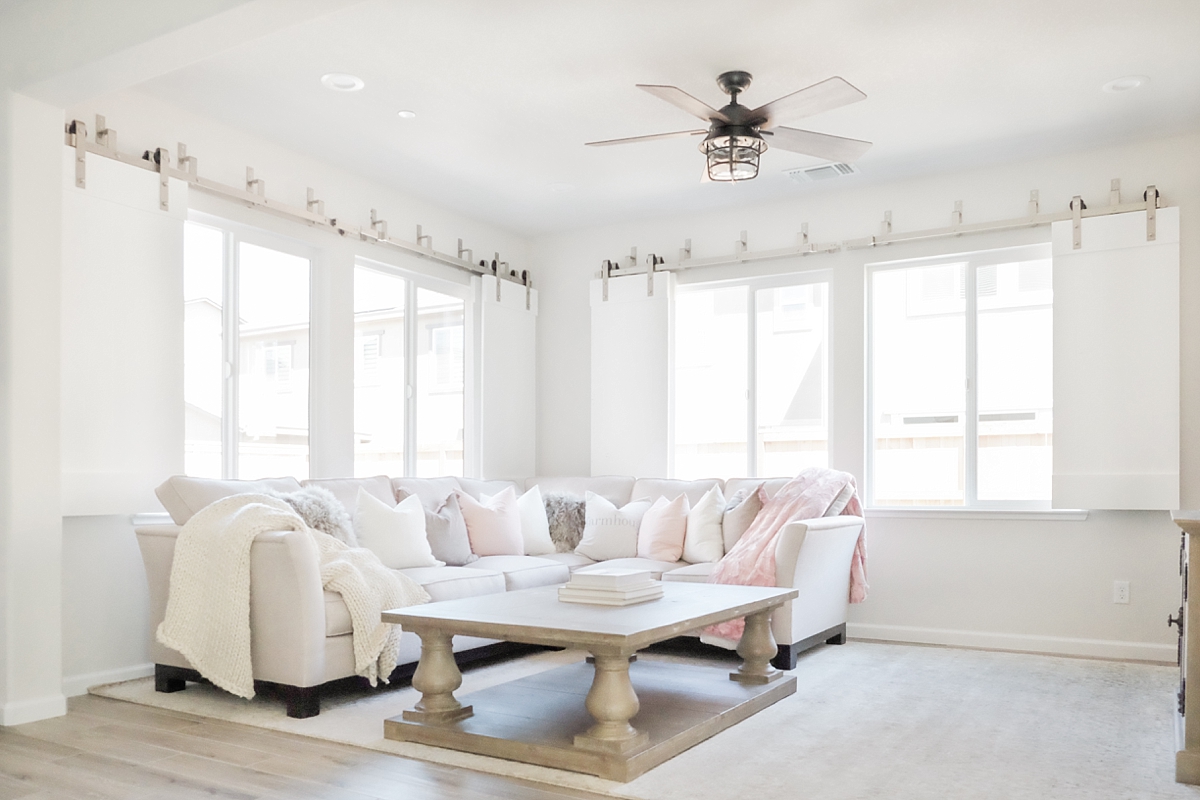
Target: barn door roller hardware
(254, 194)
(1077, 211)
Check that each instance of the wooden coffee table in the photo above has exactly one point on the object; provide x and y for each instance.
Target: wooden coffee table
(580, 717)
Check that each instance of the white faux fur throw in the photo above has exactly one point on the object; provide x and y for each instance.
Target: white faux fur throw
(208, 608)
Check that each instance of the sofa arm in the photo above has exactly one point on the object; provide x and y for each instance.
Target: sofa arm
(813, 556)
(287, 603)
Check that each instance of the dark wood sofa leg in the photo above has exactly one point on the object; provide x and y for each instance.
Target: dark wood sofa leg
(171, 679)
(839, 637)
(302, 701)
(785, 657)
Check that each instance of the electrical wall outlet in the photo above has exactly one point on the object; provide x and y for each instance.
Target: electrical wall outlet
(1121, 592)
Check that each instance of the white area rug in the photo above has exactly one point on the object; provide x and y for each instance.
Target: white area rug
(868, 720)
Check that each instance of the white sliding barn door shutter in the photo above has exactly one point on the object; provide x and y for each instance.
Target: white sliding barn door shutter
(1116, 363)
(122, 338)
(631, 376)
(508, 381)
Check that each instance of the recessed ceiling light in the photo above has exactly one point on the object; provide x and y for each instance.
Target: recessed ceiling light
(1126, 84)
(342, 82)
(406, 114)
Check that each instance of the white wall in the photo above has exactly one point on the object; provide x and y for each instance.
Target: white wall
(103, 587)
(1022, 584)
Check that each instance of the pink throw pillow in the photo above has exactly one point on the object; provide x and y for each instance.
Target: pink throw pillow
(663, 527)
(494, 526)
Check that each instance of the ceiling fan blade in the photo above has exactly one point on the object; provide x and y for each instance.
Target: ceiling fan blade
(821, 145)
(824, 96)
(649, 138)
(681, 99)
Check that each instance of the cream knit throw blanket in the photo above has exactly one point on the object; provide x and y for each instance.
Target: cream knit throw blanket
(208, 609)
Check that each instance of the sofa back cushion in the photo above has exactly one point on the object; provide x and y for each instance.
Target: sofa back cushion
(771, 486)
(670, 488)
(616, 489)
(346, 489)
(182, 496)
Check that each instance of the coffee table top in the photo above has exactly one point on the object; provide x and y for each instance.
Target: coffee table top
(536, 616)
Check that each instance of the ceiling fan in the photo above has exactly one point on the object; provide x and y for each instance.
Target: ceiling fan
(737, 135)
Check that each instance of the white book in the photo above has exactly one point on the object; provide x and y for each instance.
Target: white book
(602, 598)
(606, 597)
(611, 578)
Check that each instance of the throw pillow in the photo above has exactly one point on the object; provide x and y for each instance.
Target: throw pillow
(608, 531)
(396, 535)
(446, 531)
(566, 515)
(321, 511)
(535, 525)
(493, 526)
(705, 539)
(661, 534)
(740, 513)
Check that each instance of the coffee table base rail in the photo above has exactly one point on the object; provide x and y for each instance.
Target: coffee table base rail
(537, 719)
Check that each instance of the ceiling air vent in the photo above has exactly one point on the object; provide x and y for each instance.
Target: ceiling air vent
(823, 172)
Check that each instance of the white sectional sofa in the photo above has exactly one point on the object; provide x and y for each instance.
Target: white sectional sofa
(300, 633)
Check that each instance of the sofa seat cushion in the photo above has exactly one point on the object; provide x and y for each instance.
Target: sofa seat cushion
(524, 572)
(337, 615)
(453, 583)
(573, 560)
(694, 573)
(657, 568)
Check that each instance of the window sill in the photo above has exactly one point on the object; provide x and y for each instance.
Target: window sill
(1032, 514)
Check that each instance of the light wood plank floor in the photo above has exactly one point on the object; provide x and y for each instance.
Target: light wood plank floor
(114, 750)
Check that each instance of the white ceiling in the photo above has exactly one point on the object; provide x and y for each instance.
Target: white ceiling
(507, 92)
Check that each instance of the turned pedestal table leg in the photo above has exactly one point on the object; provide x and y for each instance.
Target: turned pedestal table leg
(756, 648)
(612, 703)
(436, 678)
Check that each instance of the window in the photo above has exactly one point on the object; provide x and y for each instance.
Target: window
(960, 396)
(408, 376)
(751, 378)
(246, 323)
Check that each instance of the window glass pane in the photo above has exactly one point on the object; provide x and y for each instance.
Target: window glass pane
(203, 360)
(273, 373)
(791, 374)
(1016, 379)
(440, 347)
(710, 383)
(918, 381)
(378, 373)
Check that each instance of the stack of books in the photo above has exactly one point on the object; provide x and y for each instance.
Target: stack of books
(611, 587)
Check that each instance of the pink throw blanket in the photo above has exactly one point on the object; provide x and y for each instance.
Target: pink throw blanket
(751, 562)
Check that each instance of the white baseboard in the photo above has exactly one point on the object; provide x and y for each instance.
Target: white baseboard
(1027, 643)
(75, 685)
(23, 711)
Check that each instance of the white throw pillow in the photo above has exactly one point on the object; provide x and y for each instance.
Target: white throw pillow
(705, 539)
(535, 525)
(396, 535)
(608, 531)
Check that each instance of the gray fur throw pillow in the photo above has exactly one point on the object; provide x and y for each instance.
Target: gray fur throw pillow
(321, 511)
(566, 514)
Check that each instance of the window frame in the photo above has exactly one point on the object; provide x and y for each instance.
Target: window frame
(234, 234)
(415, 281)
(974, 260)
(806, 277)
